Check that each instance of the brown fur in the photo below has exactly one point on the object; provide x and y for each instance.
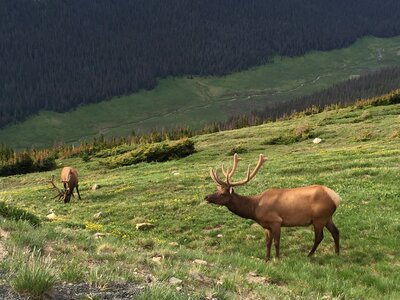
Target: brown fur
(69, 177)
(276, 208)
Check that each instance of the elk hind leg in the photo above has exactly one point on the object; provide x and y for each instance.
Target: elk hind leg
(318, 236)
(335, 234)
(79, 195)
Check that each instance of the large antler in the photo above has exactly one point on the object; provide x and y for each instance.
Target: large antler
(261, 161)
(229, 173)
(60, 192)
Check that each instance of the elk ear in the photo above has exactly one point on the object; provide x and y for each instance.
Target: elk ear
(231, 190)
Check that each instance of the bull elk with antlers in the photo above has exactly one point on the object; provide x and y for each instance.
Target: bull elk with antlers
(276, 208)
(69, 178)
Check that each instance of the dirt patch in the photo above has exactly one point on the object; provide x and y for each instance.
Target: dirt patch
(3, 251)
(115, 291)
(211, 228)
(253, 277)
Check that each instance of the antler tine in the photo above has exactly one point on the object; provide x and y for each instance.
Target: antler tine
(235, 163)
(229, 173)
(226, 173)
(60, 192)
(217, 180)
(261, 161)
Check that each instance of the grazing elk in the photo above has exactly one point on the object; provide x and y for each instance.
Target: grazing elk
(69, 178)
(276, 208)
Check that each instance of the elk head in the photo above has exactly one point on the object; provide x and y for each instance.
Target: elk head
(225, 188)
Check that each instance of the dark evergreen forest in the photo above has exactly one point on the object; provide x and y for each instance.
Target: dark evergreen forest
(344, 93)
(57, 54)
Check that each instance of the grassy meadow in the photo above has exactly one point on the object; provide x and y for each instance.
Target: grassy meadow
(213, 253)
(197, 101)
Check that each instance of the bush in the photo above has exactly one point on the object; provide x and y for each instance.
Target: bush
(298, 134)
(27, 162)
(238, 149)
(386, 99)
(14, 213)
(117, 150)
(85, 157)
(44, 164)
(158, 152)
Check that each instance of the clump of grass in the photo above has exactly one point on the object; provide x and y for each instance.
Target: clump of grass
(85, 157)
(31, 238)
(147, 243)
(394, 134)
(363, 136)
(364, 116)
(99, 277)
(296, 135)
(237, 149)
(161, 292)
(73, 272)
(33, 274)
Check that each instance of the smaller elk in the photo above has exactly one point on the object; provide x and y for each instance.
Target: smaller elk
(69, 178)
(276, 208)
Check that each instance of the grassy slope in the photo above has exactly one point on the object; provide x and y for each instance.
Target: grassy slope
(199, 101)
(358, 158)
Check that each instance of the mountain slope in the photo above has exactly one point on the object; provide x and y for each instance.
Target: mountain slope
(198, 101)
(358, 158)
(57, 55)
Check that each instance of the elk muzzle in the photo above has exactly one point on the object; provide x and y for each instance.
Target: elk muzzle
(218, 198)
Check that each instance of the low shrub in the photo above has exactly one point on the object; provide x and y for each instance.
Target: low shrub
(386, 99)
(117, 150)
(296, 135)
(27, 162)
(14, 213)
(158, 152)
(237, 149)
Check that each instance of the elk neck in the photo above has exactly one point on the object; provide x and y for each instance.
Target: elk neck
(244, 206)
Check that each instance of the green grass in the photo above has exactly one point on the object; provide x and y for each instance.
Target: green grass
(33, 274)
(199, 101)
(365, 172)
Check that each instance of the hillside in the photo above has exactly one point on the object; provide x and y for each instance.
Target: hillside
(214, 253)
(57, 55)
(197, 101)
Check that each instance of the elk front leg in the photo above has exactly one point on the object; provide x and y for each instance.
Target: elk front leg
(335, 234)
(268, 237)
(276, 235)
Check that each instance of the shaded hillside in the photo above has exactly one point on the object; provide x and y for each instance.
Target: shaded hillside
(196, 102)
(57, 54)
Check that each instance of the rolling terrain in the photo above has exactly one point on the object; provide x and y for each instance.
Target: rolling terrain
(213, 253)
(197, 101)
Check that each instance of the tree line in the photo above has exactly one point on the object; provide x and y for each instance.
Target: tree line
(56, 55)
(341, 94)
(378, 88)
